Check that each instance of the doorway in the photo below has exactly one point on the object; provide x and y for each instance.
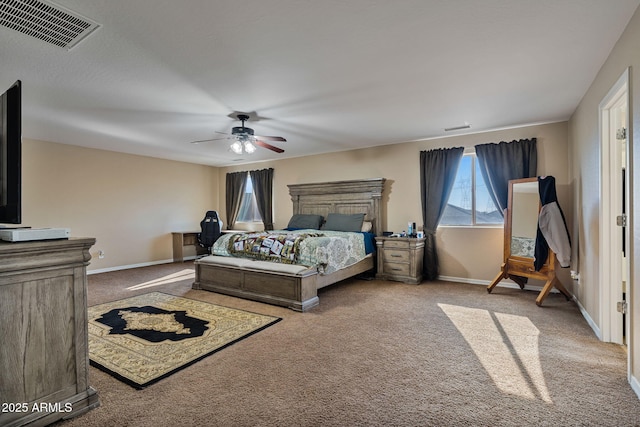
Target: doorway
(614, 211)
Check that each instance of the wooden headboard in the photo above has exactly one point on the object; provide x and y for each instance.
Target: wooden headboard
(348, 197)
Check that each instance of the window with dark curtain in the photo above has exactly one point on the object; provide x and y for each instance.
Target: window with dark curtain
(249, 211)
(505, 161)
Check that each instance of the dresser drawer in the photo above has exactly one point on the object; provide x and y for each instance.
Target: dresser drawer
(395, 255)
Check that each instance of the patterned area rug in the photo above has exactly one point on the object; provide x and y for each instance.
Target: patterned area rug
(145, 338)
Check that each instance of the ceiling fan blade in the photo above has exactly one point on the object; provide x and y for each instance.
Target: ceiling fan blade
(206, 140)
(268, 146)
(272, 138)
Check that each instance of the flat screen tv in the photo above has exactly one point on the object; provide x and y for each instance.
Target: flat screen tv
(11, 155)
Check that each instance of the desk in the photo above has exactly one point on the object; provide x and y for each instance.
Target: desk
(186, 246)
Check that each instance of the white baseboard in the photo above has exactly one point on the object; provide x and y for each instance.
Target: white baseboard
(587, 317)
(503, 284)
(635, 385)
(126, 267)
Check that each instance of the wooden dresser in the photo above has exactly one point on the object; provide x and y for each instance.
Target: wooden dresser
(400, 259)
(44, 352)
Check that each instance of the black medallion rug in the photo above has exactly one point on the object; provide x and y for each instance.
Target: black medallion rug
(145, 338)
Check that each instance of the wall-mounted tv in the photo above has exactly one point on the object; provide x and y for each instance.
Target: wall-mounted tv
(11, 155)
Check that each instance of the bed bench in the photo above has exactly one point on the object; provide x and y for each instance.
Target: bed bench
(292, 286)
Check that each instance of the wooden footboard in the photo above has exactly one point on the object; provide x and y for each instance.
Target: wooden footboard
(297, 291)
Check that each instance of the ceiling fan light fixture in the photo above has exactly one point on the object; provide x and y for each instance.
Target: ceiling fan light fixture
(236, 147)
(249, 148)
(244, 141)
(243, 144)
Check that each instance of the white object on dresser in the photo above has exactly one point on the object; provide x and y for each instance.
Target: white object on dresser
(31, 234)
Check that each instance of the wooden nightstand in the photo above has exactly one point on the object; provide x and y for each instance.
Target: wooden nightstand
(400, 258)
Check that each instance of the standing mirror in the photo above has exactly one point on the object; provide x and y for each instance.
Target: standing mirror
(520, 231)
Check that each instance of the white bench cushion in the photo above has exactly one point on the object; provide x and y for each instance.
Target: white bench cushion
(255, 264)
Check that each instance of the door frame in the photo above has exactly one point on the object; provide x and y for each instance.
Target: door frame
(611, 324)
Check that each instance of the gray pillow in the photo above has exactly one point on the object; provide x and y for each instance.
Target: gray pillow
(344, 222)
(305, 221)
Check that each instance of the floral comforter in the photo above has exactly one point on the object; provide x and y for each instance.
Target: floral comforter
(328, 251)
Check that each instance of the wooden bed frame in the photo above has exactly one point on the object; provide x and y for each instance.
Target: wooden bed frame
(296, 287)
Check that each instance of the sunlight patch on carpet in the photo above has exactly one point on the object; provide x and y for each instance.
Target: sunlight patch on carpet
(178, 276)
(145, 338)
(507, 347)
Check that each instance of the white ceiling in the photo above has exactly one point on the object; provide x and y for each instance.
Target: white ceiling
(327, 75)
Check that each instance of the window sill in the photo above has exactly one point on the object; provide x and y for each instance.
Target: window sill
(467, 227)
(248, 226)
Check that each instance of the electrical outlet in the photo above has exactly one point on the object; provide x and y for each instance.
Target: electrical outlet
(575, 276)
(101, 254)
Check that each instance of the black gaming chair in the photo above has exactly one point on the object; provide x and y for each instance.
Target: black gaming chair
(210, 229)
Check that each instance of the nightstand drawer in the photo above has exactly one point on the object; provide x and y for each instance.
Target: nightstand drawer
(397, 269)
(390, 244)
(395, 255)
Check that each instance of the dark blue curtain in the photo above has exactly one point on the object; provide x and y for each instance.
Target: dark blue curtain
(504, 161)
(235, 185)
(438, 169)
(263, 188)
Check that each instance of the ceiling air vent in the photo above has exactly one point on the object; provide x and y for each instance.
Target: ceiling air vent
(46, 21)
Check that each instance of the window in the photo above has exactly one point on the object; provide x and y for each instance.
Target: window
(248, 206)
(469, 202)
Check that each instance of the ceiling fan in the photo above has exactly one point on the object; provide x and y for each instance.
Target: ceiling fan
(245, 141)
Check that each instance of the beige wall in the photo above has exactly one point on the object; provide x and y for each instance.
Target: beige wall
(132, 203)
(129, 203)
(584, 147)
(474, 254)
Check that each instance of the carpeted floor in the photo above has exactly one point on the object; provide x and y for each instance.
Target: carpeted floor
(380, 353)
